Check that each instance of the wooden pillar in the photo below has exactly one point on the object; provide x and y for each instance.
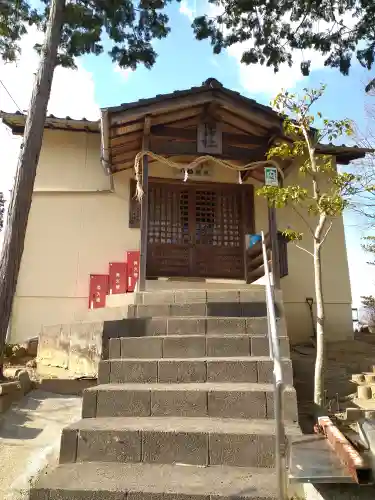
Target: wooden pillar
(144, 208)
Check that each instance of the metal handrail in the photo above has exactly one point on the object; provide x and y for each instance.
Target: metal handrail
(280, 451)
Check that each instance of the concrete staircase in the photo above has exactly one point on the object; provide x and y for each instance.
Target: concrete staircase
(184, 405)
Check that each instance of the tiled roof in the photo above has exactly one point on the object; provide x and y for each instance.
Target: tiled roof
(208, 85)
(16, 122)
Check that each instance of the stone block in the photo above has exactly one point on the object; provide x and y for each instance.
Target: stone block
(109, 446)
(226, 326)
(6, 402)
(114, 348)
(265, 371)
(68, 446)
(257, 326)
(290, 405)
(354, 414)
(123, 403)
(242, 450)
(182, 371)
(104, 372)
(89, 403)
(253, 309)
(237, 404)
(260, 346)
(152, 310)
(364, 392)
(142, 347)
(231, 371)
(184, 403)
(177, 447)
(186, 326)
(54, 345)
(228, 346)
(8, 388)
(185, 310)
(162, 297)
(85, 348)
(184, 347)
(223, 296)
(155, 326)
(190, 296)
(137, 371)
(224, 309)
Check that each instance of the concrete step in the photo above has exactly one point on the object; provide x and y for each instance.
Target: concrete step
(199, 309)
(245, 295)
(185, 370)
(169, 440)
(214, 399)
(192, 346)
(157, 325)
(117, 481)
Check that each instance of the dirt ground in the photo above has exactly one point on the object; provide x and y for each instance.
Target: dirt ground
(343, 359)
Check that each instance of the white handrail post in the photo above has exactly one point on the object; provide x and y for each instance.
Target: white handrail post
(280, 459)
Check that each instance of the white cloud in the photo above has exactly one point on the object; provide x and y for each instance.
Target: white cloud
(125, 73)
(257, 78)
(188, 8)
(72, 95)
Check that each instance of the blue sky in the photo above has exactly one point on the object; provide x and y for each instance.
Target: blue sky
(184, 62)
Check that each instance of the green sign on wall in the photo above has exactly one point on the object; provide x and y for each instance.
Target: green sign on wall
(270, 176)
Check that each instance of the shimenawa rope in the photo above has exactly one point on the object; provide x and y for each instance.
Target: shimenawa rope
(194, 164)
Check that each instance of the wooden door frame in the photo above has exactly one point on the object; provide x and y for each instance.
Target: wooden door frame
(247, 205)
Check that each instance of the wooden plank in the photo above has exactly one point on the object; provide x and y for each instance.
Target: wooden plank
(144, 208)
(250, 113)
(241, 124)
(124, 139)
(123, 158)
(176, 116)
(191, 135)
(125, 129)
(163, 106)
(165, 147)
(134, 146)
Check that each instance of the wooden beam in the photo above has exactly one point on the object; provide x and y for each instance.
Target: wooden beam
(144, 207)
(248, 112)
(123, 139)
(123, 158)
(125, 129)
(163, 105)
(127, 148)
(163, 147)
(241, 124)
(191, 135)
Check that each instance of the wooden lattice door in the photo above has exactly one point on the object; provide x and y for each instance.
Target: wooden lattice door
(218, 232)
(195, 231)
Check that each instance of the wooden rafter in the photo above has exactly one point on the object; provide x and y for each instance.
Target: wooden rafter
(191, 135)
(241, 124)
(162, 107)
(165, 147)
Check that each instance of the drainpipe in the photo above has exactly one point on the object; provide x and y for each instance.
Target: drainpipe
(105, 157)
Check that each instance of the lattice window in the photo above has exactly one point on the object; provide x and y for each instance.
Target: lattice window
(168, 216)
(217, 218)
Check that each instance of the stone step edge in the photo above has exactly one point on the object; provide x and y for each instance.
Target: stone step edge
(189, 425)
(193, 386)
(139, 481)
(245, 359)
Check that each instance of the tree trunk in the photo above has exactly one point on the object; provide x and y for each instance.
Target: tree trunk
(320, 317)
(20, 202)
